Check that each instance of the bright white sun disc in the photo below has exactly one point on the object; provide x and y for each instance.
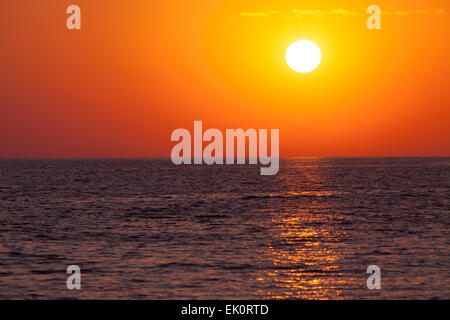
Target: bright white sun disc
(303, 56)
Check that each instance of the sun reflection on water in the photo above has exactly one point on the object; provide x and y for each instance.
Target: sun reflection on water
(304, 265)
(305, 251)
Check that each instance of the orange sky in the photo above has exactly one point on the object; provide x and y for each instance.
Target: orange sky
(140, 69)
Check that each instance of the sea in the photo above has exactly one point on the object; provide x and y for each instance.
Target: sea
(148, 229)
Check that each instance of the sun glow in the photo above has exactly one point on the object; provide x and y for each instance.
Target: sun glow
(303, 56)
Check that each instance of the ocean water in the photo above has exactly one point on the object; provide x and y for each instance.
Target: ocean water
(147, 229)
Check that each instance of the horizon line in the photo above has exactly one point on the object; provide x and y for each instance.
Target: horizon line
(168, 158)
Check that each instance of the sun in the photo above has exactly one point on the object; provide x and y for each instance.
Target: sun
(303, 56)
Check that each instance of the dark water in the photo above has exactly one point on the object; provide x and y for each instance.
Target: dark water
(147, 229)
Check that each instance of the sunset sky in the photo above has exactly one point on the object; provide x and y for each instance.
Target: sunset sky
(137, 70)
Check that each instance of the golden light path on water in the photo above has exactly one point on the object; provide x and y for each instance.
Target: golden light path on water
(314, 261)
(305, 250)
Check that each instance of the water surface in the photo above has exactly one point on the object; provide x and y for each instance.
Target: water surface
(146, 229)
